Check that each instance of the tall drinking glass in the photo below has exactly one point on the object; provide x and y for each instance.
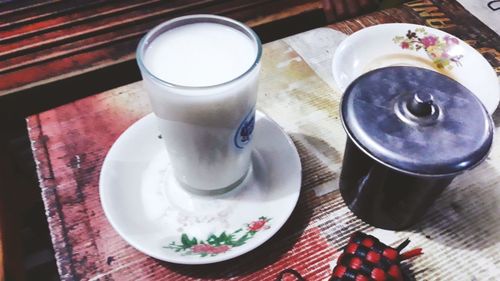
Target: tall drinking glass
(201, 74)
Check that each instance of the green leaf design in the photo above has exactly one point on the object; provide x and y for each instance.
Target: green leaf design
(216, 244)
(243, 239)
(212, 239)
(222, 238)
(398, 39)
(186, 242)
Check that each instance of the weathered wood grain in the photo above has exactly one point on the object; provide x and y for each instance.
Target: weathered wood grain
(47, 41)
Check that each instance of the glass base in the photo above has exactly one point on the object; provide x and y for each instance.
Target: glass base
(218, 191)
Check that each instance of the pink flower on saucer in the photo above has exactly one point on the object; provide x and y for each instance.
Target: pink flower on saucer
(451, 40)
(218, 244)
(209, 249)
(201, 248)
(258, 224)
(428, 41)
(439, 49)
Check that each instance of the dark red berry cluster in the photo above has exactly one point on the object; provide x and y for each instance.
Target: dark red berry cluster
(365, 258)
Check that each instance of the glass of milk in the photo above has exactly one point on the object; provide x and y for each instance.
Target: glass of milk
(201, 74)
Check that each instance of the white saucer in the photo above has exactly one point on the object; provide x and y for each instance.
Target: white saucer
(387, 44)
(148, 208)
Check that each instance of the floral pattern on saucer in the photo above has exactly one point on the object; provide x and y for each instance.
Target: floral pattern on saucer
(439, 50)
(218, 244)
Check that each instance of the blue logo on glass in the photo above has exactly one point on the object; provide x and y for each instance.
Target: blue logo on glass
(245, 130)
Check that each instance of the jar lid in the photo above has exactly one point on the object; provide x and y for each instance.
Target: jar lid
(416, 121)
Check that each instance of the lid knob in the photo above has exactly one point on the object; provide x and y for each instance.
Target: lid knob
(421, 105)
(417, 121)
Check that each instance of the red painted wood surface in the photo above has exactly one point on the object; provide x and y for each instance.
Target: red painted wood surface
(87, 246)
(70, 143)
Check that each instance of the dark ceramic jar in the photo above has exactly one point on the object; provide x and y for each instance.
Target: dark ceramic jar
(410, 132)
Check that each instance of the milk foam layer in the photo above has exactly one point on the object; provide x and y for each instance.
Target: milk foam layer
(200, 54)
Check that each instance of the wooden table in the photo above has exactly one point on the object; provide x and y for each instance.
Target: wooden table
(460, 235)
(47, 41)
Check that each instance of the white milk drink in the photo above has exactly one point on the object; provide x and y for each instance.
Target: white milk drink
(206, 109)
